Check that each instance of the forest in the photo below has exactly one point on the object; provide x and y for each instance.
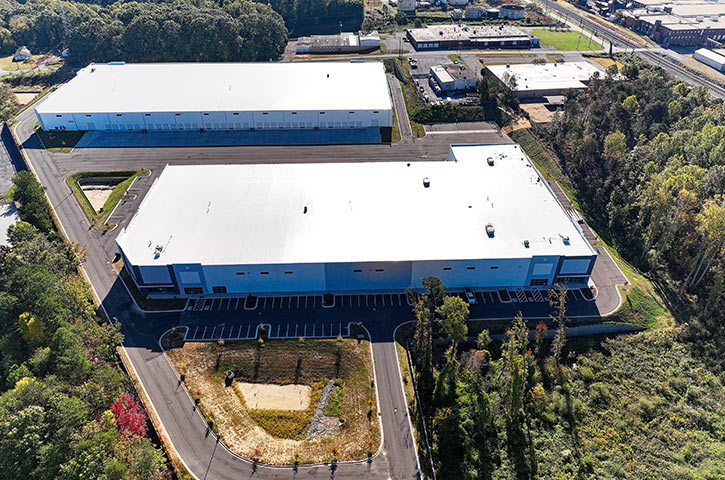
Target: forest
(646, 159)
(238, 30)
(306, 17)
(67, 409)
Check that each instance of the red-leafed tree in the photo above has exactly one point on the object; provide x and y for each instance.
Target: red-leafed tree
(130, 415)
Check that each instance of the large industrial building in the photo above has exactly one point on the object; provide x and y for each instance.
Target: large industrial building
(677, 22)
(220, 96)
(484, 218)
(546, 79)
(714, 58)
(461, 36)
(345, 42)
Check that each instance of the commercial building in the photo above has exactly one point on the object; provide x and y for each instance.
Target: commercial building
(457, 3)
(713, 58)
(220, 96)
(539, 80)
(345, 42)
(491, 221)
(407, 6)
(475, 12)
(461, 36)
(453, 77)
(677, 22)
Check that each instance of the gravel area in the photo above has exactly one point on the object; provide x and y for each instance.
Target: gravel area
(323, 426)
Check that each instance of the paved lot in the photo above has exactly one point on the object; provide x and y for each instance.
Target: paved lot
(231, 138)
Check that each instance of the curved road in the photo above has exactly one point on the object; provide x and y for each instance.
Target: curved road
(204, 456)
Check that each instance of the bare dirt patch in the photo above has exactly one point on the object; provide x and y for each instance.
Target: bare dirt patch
(97, 194)
(284, 362)
(275, 397)
(25, 98)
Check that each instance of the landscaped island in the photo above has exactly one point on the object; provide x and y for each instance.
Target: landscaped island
(289, 402)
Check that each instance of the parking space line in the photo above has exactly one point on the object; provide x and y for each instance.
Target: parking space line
(203, 334)
(304, 334)
(236, 305)
(212, 333)
(296, 327)
(239, 334)
(298, 302)
(287, 332)
(314, 301)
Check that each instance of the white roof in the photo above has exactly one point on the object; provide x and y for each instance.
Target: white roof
(199, 87)
(713, 55)
(546, 76)
(356, 212)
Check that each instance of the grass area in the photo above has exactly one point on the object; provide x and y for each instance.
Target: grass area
(606, 61)
(273, 436)
(555, 57)
(455, 58)
(409, 91)
(59, 141)
(566, 41)
(334, 404)
(10, 195)
(7, 64)
(141, 300)
(98, 218)
(395, 133)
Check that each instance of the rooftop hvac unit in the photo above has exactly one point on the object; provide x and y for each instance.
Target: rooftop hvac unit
(490, 160)
(526, 243)
(158, 250)
(426, 182)
(490, 230)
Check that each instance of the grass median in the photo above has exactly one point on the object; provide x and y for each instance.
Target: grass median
(99, 218)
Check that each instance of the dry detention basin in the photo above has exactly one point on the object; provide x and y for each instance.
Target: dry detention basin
(98, 189)
(275, 397)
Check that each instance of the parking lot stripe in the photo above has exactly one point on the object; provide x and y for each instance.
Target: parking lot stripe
(296, 327)
(286, 334)
(203, 334)
(212, 332)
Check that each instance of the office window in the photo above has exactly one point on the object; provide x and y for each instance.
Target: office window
(379, 270)
(219, 289)
(193, 290)
(59, 115)
(538, 282)
(470, 268)
(236, 113)
(145, 114)
(446, 268)
(240, 273)
(264, 273)
(288, 273)
(119, 114)
(494, 268)
(88, 115)
(357, 270)
(206, 114)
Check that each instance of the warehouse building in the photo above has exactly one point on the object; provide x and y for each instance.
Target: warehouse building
(491, 222)
(547, 79)
(453, 77)
(443, 37)
(220, 96)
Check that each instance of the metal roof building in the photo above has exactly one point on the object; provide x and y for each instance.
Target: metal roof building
(484, 218)
(220, 96)
(539, 80)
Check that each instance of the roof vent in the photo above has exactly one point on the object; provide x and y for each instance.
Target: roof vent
(490, 230)
(305, 209)
(426, 182)
(526, 243)
(565, 238)
(490, 160)
(158, 250)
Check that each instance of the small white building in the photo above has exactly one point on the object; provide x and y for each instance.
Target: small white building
(512, 12)
(220, 96)
(712, 58)
(287, 229)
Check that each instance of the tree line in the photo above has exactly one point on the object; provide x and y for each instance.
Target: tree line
(66, 408)
(305, 17)
(238, 30)
(647, 158)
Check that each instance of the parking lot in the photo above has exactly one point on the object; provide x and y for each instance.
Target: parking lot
(422, 73)
(314, 316)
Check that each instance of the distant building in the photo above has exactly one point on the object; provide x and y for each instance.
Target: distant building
(463, 37)
(454, 77)
(475, 12)
(286, 229)
(677, 22)
(540, 80)
(346, 42)
(457, 3)
(713, 58)
(493, 13)
(406, 6)
(457, 14)
(512, 12)
(21, 54)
